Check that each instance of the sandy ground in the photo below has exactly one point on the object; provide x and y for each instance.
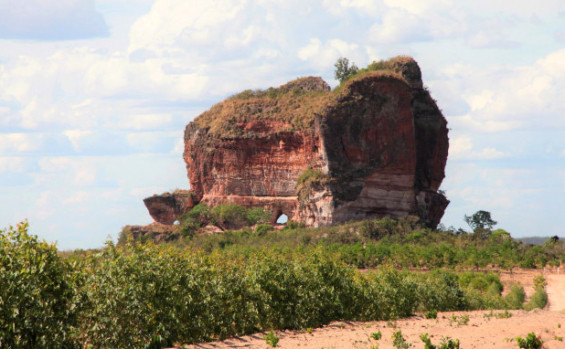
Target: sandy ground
(483, 330)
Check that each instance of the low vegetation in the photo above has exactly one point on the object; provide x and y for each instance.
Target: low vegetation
(254, 279)
(530, 342)
(290, 104)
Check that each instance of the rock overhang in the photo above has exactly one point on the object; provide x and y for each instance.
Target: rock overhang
(380, 141)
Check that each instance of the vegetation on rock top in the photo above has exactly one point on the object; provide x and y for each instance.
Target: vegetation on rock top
(295, 104)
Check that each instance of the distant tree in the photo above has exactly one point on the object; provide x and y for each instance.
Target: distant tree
(480, 219)
(343, 71)
(481, 223)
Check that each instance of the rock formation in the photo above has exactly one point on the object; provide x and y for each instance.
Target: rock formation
(375, 147)
(167, 207)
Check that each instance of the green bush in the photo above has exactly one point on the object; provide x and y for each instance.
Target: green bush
(272, 339)
(193, 220)
(257, 215)
(262, 229)
(440, 290)
(37, 293)
(230, 216)
(530, 342)
(399, 341)
(516, 297)
(538, 300)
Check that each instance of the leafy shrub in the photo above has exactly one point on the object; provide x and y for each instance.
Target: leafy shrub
(294, 225)
(530, 342)
(503, 315)
(538, 300)
(376, 335)
(461, 320)
(516, 297)
(37, 293)
(262, 229)
(448, 343)
(439, 290)
(399, 341)
(427, 341)
(308, 181)
(272, 339)
(194, 219)
(432, 314)
(257, 215)
(539, 282)
(230, 216)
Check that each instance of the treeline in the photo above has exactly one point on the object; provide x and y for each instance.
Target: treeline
(147, 296)
(401, 243)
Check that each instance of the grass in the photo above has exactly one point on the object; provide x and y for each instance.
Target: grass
(289, 106)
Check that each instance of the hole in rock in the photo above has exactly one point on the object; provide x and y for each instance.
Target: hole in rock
(282, 219)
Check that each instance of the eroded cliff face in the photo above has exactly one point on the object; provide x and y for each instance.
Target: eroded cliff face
(168, 207)
(376, 148)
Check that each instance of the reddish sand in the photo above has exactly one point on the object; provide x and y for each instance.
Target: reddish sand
(482, 330)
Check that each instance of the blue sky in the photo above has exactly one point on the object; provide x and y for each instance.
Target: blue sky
(94, 97)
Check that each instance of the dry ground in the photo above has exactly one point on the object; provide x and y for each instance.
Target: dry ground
(482, 330)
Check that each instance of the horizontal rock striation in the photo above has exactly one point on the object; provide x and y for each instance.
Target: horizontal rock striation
(168, 207)
(375, 147)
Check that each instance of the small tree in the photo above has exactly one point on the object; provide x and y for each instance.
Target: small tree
(481, 223)
(343, 71)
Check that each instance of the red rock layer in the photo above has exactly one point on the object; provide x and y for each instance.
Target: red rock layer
(377, 148)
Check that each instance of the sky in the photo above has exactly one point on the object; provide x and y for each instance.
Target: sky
(95, 95)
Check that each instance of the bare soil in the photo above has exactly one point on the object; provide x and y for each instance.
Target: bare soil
(483, 330)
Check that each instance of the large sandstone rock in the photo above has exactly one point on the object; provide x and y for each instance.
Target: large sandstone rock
(376, 148)
(167, 207)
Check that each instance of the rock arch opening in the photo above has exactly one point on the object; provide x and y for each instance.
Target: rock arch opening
(282, 219)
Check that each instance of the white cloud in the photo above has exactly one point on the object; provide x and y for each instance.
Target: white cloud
(12, 164)
(19, 142)
(323, 55)
(502, 98)
(77, 197)
(50, 20)
(144, 121)
(400, 26)
(461, 148)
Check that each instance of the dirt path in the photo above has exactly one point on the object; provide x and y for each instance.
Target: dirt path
(556, 291)
(482, 331)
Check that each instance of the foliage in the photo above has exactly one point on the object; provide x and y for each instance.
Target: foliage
(239, 282)
(480, 219)
(399, 341)
(343, 70)
(272, 339)
(481, 223)
(257, 215)
(262, 229)
(195, 219)
(538, 300)
(309, 180)
(427, 341)
(448, 343)
(432, 314)
(516, 297)
(503, 315)
(530, 342)
(37, 293)
(376, 335)
(230, 215)
(539, 281)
